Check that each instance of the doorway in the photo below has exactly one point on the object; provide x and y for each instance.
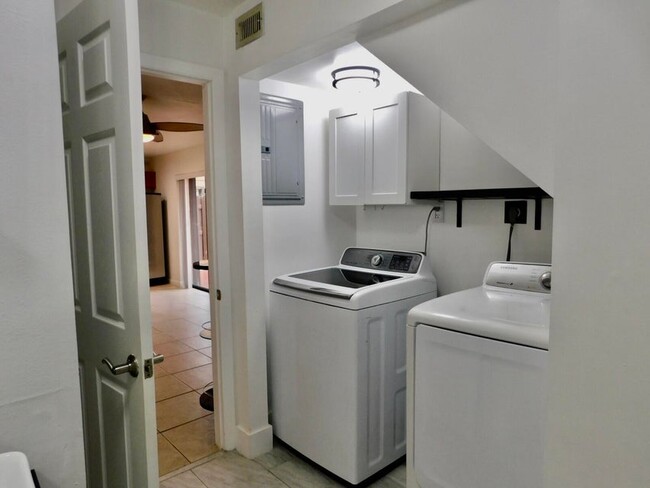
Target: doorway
(195, 230)
(180, 308)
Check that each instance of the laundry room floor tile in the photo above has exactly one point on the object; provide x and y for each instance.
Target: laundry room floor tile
(184, 480)
(279, 455)
(278, 469)
(298, 474)
(179, 328)
(169, 386)
(169, 459)
(185, 361)
(169, 349)
(160, 337)
(195, 440)
(229, 469)
(197, 378)
(178, 410)
(159, 371)
(196, 342)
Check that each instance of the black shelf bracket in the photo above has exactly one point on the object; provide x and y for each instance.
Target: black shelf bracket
(529, 193)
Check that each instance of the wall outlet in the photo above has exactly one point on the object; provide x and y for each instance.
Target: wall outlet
(438, 213)
(515, 212)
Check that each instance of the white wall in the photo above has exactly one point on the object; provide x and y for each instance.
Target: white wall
(459, 256)
(599, 426)
(292, 25)
(491, 65)
(169, 168)
(40, 410)
(172, 30)
(299, 237)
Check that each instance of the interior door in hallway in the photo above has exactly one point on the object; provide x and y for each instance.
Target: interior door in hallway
(99, 65)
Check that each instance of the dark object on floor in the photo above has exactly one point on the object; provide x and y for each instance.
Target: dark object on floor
(36, 484)
(206, 400)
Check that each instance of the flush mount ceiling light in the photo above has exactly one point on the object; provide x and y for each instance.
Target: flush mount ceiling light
(355, 78)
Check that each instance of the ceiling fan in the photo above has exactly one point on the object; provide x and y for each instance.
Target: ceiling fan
(151, 130)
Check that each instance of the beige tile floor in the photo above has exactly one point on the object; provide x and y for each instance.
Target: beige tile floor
(278, 469)
(185, 430)
(187, 454)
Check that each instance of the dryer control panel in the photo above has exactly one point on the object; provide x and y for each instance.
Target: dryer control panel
(519, 276)
(397, 261)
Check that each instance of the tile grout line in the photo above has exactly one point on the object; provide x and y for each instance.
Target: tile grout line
(190, 467)
(184, 423)
(272, 473)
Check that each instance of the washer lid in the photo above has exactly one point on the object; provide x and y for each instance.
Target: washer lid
(349, 278)
(510, 316)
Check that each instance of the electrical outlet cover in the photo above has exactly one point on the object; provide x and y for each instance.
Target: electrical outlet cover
(518, 209)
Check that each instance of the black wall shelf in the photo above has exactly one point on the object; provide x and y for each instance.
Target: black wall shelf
(529, 193)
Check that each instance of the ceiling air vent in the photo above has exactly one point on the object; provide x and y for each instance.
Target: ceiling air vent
(249, 26)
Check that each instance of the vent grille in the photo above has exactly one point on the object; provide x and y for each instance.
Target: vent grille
(249, 26)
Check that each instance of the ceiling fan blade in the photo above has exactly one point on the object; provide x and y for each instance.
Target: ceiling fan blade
(158, 137)
(177, 126)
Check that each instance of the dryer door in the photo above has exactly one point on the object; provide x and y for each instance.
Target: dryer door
(479, 411)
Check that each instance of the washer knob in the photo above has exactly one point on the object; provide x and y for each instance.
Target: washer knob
(376, 260)
(545, 280)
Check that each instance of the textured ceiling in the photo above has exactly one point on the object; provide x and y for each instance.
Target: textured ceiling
(172, 101)
(219, 7)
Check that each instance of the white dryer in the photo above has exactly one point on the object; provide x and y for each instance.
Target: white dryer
(337, 358)
(477, 382)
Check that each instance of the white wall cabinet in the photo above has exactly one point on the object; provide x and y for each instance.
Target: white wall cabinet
(380, 154)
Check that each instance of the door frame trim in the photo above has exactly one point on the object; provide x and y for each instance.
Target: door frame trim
(223, 365)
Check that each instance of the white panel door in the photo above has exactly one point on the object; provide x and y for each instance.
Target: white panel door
(99, 67)
(386, 152)
(347, 157)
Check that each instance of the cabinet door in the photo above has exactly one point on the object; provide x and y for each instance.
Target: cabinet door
(386, 152)
(347, 156)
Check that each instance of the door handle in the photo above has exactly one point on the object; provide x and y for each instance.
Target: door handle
(131, 366)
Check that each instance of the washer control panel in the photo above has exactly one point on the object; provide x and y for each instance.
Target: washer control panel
(519, 276)
(398, 261)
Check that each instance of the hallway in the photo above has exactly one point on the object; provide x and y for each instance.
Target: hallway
(185, 429)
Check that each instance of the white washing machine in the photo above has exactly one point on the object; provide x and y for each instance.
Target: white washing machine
(337, 358)
(477, 382)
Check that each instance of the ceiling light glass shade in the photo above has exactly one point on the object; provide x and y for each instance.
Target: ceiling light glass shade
(148, 130)
(355, 78)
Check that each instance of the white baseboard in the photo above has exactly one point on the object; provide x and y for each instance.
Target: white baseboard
(177, 283)
(253, 444)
